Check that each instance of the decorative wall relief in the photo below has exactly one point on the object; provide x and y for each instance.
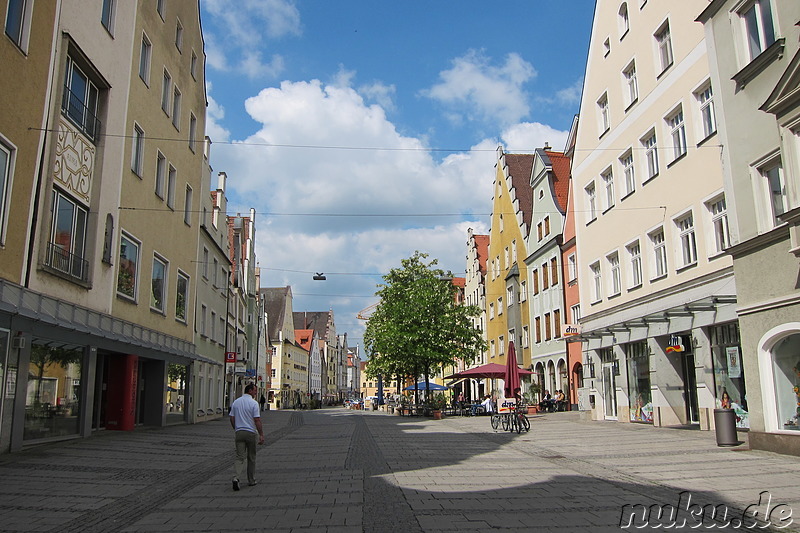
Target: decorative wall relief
(74, 162)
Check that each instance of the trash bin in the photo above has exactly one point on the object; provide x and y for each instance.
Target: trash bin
(725, 424)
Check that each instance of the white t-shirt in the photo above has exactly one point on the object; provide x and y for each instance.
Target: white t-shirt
(245, 410)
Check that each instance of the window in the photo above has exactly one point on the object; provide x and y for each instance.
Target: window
(166, 90)
(575, 311)
(107, 15)
(547, 327)
(187, 206)
(659, 253)
(509, 296)
(501, 345)
(627, 170)
(158, 284)
(215, 273)
(546, 226)
(651, 155)
(514, 251)
(501, 222)
(608, 181)
(572, 264)
(591, 201)
(161, 174)
(171, 177)
(759, 28)
(606, 47)
(602, 105)
(204, 319)
(598, 282)
(213, 332)
(664, 43)
(613, 268)
(68, 238)
(523, 291)
(179, 36)
(192, 131)
(128, 275)
(145, 53)
(538, 323)
(535, 282)
(705, 98)
(18, 21)
(491, 310)
(557, 323)
(500, 306)
(631, 83)
(624, 21)
(719, 224)
(687, 240)
(181, 296)
(554, 271)
(193, 65)
(160, 8)
(635, 255)
(539, 231)
(80, 100)
(772, 173)
(678, 133)
(506, 256)
(545, 277)
(525, 337)
(205, 262)
(176, 109)
(137, 150)
(6, 159)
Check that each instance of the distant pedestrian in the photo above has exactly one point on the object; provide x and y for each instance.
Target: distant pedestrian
(246, 420)
(262, 401)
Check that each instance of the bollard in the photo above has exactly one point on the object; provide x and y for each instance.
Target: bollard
(725, 427)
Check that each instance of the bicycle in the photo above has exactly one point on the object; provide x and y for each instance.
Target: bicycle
(496, 420)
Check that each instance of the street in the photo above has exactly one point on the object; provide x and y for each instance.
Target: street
(338, 470)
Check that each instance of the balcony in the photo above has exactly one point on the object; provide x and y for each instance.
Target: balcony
(74, 108)
(67, 263)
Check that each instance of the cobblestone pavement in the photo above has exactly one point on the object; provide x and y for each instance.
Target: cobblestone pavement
(336, 470)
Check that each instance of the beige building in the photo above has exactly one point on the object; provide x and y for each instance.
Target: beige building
(755, 65)
(102, 304)
(657, 289)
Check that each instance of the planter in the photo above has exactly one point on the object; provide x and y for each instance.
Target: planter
(437, 414)
(533, 409)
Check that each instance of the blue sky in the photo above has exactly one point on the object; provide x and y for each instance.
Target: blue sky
(363, 131)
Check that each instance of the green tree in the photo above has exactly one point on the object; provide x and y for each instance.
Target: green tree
(176, 373)
(418, 327)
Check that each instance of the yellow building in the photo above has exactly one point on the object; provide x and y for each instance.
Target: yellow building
(507, 315)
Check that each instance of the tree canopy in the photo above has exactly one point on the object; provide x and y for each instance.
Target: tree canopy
(418, 326)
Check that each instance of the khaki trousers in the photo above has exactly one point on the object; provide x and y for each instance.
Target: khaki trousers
(246, 449)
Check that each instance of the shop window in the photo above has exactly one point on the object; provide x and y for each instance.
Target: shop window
(52, 403)
(786, 368)
(729, 386)
(638, 359)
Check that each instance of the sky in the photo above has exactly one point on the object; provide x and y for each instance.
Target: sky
(362, 131)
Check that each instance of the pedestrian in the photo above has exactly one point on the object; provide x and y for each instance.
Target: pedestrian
(262, 401)
(246, 421)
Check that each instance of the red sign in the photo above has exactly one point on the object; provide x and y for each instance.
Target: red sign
(230, 357)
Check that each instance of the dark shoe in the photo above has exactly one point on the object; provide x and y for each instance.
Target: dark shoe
(253, 483)
(235, 484)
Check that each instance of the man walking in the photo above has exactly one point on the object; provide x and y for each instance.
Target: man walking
(246, 421)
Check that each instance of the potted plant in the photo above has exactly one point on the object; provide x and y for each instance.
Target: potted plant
(529, 398)
(436, 404)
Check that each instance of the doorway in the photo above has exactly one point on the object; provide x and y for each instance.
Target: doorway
(690, 388)
(609, 391)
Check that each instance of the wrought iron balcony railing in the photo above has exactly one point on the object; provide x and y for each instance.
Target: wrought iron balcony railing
(73, 106)
(66, 262)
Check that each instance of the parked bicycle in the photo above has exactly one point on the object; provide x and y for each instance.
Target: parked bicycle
(514, 421)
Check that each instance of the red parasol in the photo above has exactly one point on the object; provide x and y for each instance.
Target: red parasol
(489, 370)
(511, 376)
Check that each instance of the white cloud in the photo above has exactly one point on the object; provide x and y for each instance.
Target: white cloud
(239, 28)
(571, 95)
(478, 90)
(215, 113)
(340, 155)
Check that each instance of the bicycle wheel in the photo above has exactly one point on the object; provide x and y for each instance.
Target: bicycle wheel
(526, 424)
(517, 423)
(495, 421)
(505, 422)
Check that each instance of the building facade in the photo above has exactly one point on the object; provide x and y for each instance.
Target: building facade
(658, 294)
(755, 64)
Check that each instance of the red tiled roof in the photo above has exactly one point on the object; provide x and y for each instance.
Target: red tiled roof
(460, 282)
(561, 173)
(482, 251)
(519, 168)
(303, 338)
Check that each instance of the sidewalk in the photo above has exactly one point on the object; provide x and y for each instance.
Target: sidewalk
(337, 470)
